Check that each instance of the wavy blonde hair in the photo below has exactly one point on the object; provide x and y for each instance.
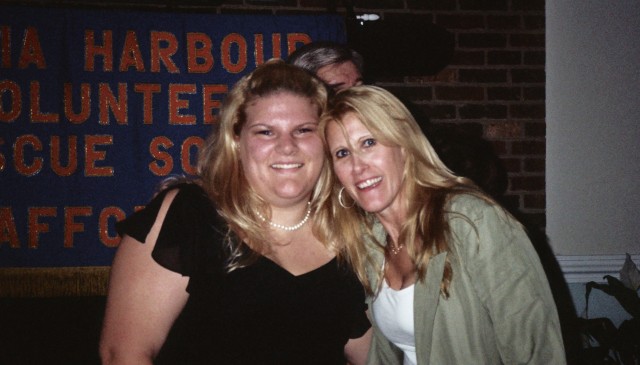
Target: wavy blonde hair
(428, 184)
(221, 170)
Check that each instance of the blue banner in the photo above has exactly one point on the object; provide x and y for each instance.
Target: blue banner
(98, 107)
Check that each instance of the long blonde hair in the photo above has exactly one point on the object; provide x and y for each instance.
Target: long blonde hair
(221, 171)
(427, 188)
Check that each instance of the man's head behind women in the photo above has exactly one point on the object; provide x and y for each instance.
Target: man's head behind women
(335, 64)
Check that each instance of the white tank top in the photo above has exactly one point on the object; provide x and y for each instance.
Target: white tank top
(393, 311)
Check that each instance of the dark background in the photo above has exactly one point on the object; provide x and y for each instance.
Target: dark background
(62, 330)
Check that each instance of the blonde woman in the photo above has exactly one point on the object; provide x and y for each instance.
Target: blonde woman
(238, 268)
(452, 278)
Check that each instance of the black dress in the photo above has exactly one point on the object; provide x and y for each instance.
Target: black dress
(261, 314)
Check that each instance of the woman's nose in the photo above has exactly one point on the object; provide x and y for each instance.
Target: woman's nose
(286, 144)
(359, 164)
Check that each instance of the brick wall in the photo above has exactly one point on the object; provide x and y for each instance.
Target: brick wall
(494, 87)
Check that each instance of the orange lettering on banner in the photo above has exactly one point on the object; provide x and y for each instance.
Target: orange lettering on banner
(164, 46)
(258, 41)
(5, 46)
(72, 156)
(109, 102)
(41, 219)
(106, 214)
(31, 50)
(85, 103)
(29, 158)
(276, 42)
(92, 156)
(19, 155)
(35, 226)
(164, 163)
(294, 38)
(8, 231)
(14, 101)
(37, 115)
(3, 161)
(113, 103)
(72, 227)
(147, 91)
(241, 44)
(163, 54)
(176, 104)
(190, 144)
(209, 104)
(131, 55)
(202, 53)
(91, 50)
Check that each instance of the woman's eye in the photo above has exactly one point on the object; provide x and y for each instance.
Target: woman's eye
(264, 132)
(369, 142)
(342, 153)
(307, 129)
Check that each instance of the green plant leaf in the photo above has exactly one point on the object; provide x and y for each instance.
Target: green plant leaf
(629, 274)
(601, 330)
(627, 341)
(627, 298)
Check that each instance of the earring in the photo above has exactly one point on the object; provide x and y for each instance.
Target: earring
(341, 201)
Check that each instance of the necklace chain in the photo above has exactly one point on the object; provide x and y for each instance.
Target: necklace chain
(395, 249)
(288, 228)
(392, 248)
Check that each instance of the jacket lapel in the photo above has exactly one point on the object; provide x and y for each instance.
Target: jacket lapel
(425, 304)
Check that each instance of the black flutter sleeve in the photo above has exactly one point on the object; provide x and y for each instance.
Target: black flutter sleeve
(191, 236)
(358, 308)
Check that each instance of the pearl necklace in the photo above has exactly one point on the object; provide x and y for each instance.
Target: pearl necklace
(288, 228)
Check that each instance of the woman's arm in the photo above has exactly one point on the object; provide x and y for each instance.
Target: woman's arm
(144, 300)
(510, 281)
(356, 349)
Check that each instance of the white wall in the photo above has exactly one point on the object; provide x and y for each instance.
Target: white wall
(593, 127)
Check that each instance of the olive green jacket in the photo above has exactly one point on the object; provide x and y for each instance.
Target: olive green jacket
(500, 309)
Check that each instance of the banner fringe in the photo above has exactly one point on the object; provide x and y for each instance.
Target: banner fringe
(53, 282)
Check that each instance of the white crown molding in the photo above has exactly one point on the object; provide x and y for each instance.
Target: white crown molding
(582, 269)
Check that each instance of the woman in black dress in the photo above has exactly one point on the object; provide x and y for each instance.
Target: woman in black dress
(239, 267)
